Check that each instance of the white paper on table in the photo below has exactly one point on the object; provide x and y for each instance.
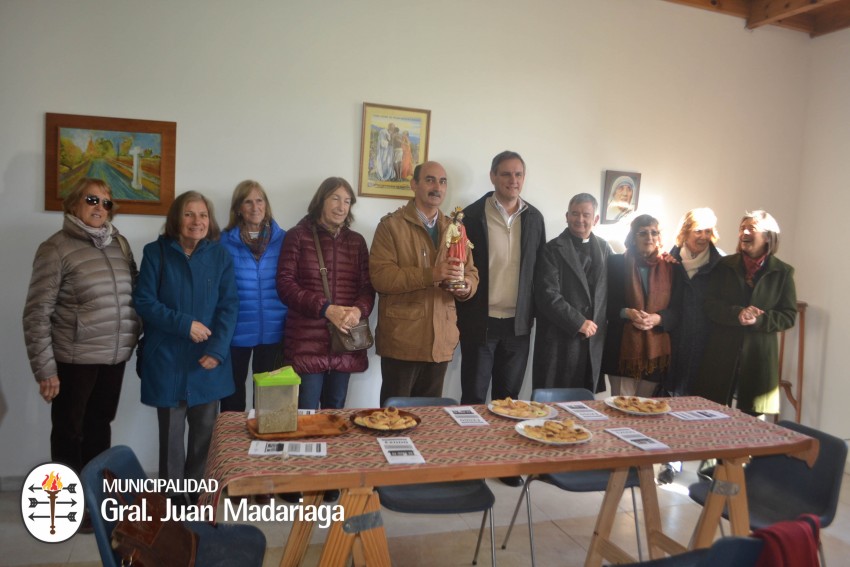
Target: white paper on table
(698, 415)
(290, 448)
(466, 416)
(637, 438)
(400, 451)
(582, 411)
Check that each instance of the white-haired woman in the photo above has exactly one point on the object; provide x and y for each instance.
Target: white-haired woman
(696, 255)
(751, 297)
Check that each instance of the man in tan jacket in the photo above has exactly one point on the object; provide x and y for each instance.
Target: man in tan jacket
(417, 322)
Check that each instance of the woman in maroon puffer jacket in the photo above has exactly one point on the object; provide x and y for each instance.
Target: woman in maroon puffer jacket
(324, 374)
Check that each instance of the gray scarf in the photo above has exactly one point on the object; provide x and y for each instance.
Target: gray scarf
(101, 237)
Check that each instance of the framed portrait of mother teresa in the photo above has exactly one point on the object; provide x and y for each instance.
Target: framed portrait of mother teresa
(393, 142)
(134, 157)
(619, 196)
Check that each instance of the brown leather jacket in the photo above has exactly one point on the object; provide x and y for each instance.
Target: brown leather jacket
(417, 320)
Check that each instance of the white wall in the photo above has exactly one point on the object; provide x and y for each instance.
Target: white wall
(824, 198)
(709, 113)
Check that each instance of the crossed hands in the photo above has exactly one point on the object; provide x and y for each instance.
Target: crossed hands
(343, 318)
(199, 333)
(588, 328)
(749, 315)
(642, 320)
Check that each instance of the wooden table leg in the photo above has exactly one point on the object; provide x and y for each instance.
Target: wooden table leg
(739, 515)
(299, 537)
(730, 472)
(339, 544)
(601, 546)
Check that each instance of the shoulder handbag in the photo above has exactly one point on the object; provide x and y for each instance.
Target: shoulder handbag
(359, 336)
(140, 345)
(152, 542)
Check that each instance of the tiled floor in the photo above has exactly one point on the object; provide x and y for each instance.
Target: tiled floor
(563, 524)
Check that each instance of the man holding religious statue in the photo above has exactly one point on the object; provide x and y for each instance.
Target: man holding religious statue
(417, 323)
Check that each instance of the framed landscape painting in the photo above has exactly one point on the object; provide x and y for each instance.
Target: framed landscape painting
(134, 157)
(393, 142)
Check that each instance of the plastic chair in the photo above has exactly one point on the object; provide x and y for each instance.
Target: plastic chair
(575, 481)
(456, 497)
(782, 488)
(727, 551)
(222, 545)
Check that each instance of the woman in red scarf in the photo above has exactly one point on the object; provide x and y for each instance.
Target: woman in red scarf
(643, 291)
(751, 297)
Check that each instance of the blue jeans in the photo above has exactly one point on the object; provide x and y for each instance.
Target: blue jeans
(329, 388)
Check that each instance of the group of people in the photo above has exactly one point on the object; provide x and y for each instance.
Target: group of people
(210, 304)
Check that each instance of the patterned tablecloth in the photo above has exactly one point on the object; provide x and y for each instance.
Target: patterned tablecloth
(453, 452)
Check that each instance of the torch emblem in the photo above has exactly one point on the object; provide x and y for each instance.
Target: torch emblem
(52, 502)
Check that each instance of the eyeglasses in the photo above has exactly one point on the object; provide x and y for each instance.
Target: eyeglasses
(93, 200)
(645, 233)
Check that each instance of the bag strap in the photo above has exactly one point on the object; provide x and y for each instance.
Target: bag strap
(322, 270)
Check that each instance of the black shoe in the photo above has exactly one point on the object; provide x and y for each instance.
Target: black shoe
(666, 475)
(331, 495)
(514, 481)
(293, 497)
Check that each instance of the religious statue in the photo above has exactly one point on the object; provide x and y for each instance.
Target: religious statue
(457, 246)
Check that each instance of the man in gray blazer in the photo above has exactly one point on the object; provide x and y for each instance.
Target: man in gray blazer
(570, 296)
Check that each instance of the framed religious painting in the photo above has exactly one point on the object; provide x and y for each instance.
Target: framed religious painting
(619, 196)
(134, 157)
(394, 140)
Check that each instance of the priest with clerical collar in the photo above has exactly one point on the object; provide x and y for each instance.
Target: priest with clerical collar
(570, 296)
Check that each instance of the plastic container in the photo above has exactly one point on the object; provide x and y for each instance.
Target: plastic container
(276, 400)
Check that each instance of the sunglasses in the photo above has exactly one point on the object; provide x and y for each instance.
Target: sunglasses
(93, 200)
(645, 233)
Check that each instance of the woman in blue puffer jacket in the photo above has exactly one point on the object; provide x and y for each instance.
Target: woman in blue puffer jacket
(254, 241)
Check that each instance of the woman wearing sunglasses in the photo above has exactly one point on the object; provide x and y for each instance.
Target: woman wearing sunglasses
(642, 291)
(79, 323)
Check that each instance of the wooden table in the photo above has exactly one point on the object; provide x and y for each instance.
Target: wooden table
(355, 464)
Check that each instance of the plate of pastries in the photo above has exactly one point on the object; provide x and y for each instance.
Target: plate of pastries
(386, 419)
(520, 409)
(553, 431)
(636, 405)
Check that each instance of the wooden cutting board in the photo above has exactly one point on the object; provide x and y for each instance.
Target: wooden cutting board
(315, 425)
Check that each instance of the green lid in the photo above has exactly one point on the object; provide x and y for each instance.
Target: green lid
(285, 376)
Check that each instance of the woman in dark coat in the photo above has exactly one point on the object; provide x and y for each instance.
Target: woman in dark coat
(751, 297)
(695, 255)
(324, 374)
(643, 294)
(187, 299)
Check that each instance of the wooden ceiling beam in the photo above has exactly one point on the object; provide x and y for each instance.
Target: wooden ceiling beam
(833, 18)
(740, 8)
(764, 12)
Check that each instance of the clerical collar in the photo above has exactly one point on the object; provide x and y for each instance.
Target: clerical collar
(430, 223)
(578, 240)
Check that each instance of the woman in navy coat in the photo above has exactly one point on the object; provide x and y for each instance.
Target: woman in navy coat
(186, 297)
(254, 241)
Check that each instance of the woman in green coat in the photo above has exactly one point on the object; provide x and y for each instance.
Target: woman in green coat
(750, 298)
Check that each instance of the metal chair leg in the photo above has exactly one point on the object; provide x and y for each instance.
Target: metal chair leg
(480, 534)
(516, 511)
(492, 539)
(487, 513)
(530, 522)
(637, 524)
